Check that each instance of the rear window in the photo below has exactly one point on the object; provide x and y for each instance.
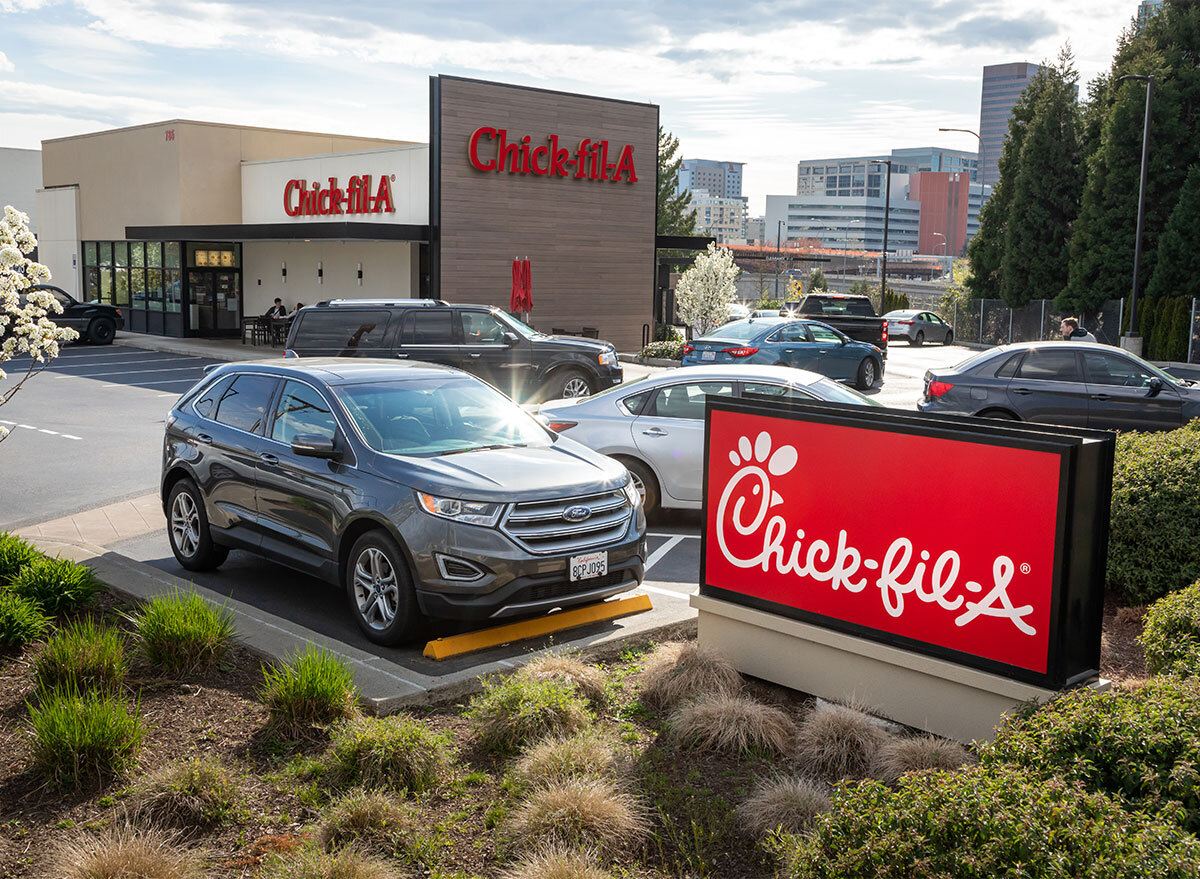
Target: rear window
(741, 331)
(830, 305)
(341, 331)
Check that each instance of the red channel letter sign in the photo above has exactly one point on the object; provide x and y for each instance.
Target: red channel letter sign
(491, 149)
(946, 542)
(359, 197)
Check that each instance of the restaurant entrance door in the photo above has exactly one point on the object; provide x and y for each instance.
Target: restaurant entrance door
(214, 281)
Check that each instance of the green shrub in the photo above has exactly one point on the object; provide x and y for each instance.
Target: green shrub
(314, 689)
(197, 793)
(181, 631)
(397, 752)
(368, 820)
(80, 656)
(21, 621)
(77, 738)
(1141, 746)
(57, 585)
(671, 349)
(312, 863)
(1153, 547)
(516, 710)
(554, 759)
(1171, 637)
(15, 554)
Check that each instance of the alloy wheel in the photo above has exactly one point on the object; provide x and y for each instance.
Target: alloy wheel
(638, 485)
(869, 373)
(185, 524)
(576, 387)
(376, 592)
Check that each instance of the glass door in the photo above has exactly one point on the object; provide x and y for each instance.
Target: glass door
(214, 280)
(203, 316)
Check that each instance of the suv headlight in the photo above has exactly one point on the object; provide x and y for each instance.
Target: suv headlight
(467, 512)
(608, 357)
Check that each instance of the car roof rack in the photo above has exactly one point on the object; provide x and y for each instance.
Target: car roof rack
(409, 302)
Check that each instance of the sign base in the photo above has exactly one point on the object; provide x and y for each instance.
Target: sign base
(940, 697)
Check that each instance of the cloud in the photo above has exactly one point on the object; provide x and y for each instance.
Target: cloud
(995, 30)
(6, 66)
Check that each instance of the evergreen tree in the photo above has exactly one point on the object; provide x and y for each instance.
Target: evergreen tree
(676, 216)
(816, 280)
(1177, 269)
(1046, 188)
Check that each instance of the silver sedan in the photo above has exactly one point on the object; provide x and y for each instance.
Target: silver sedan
(655, 425)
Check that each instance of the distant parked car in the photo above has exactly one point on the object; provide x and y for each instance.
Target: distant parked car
(737, 311)
(803, 344)
(1078, 384)
(95, 322)
(918, 327)
(655, 425)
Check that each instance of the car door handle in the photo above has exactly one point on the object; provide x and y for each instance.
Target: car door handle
(268, 458)
(655, 431)
(401, 355)
(476, 354)
(1101, 397)
(203, 438)
(1022, 391)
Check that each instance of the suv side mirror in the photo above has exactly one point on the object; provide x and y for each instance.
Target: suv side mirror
(1155, 386)
(310, 445)
(511, 338)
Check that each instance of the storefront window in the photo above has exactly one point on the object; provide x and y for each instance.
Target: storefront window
(121, 288)
(137, 254)
(91, 282)
(173, 287)
(171, 254)
(106, 286)
(120, 253)
(137, 287)
(154, 286)
(154, 252)
(208, 255)
(89, 253)
(106, 253)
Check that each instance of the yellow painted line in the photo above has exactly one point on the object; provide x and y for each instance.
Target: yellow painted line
(469, 642)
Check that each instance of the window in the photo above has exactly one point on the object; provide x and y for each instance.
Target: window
(687, 401)
(791, 333)
(244, 404)
(301, 410)
(428, 326)
(206, 403)
(482, 328)
(345, 329)
(1112, 369)
(1050, 364)
(775, 392)
(824, 335)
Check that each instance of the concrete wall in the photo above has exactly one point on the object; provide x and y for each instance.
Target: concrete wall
(20, 178)
(58, 242)
(388, 268)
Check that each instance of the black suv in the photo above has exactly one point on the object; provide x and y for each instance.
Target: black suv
(94, 321)
(482, 340)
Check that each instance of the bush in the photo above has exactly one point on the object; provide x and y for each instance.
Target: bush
(15, 553)
(181, 631)
(370, 820)
(311, 863)
(557, 863)
(918, 754)
(511, 712)
(982, 823)
(314, 689)
(195, 793)
(82, 737)
(789, 805)
(676, 671)
(671, 349)
(732, 725)
(126, 853)
(585, 754)
(1171, 637)
(82, 656)
(587, 679)
(57, 585)
(835, 742)
(21, 621)
(1152, 545)
(581, 812)
(1141, 746)
(397, 752)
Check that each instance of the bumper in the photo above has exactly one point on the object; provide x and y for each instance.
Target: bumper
(611, 375)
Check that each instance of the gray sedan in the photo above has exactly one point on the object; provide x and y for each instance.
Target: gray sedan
(655, 425)
(918, 327)
(1078, 384)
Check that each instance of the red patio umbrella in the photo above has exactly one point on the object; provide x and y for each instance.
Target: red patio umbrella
(517, 298)
(526, 286)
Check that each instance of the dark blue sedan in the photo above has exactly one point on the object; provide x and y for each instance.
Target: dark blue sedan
(804, 344)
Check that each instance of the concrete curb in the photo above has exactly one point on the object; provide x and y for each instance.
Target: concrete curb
(194, 347)
(647, 361)
(385, 687)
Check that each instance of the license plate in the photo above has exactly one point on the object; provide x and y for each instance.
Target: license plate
(585, 567)
(708, 355)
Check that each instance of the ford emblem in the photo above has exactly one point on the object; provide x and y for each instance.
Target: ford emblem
(577, 514)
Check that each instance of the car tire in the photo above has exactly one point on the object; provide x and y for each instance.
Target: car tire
(949, 340)
(101, 331)
(187, 529)
(567, 383)
(379, 590)
(646, 484)
(919, 339)
(868, 374)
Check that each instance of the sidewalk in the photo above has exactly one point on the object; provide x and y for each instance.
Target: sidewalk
(214, 349)
(103, 525)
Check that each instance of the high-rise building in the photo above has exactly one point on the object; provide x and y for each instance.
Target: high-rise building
(1146, 9)
(716, 189)
(864, 176)
(722, 179)
(1002, 86)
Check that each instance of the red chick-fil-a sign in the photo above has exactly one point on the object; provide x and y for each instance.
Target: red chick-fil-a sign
(491, 149)
(361, 196)
(928, 540)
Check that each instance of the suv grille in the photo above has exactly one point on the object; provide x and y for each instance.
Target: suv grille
(540, 526)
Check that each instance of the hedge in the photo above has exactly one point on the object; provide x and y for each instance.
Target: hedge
(672, 349)
(1153, 545)
(1171, 633)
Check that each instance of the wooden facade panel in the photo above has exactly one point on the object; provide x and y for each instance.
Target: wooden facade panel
(590, 243)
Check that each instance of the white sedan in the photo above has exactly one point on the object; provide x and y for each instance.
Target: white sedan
(655, 425)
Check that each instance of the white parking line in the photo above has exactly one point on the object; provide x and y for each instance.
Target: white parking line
(117, 363)
(142, 371)
(657, 555)
(669, 592)
(165, 381)
(69, 436)
(671, 534)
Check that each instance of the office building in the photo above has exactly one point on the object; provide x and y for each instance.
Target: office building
(756, 230)
(865, 176)
(722, 218)
(1002, 87)
(722, 179)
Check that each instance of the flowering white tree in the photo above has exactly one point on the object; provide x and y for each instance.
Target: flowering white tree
(25, 327)
(707, 289)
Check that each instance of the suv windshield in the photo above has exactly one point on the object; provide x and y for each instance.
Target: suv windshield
(438, 417)
(524, 329)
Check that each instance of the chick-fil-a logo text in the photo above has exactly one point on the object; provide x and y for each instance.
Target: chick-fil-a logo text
(779, 546)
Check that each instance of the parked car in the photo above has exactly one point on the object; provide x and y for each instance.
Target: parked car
(94, 321)
(1079, 384)
(655, 425)
(803, 344)
(737, 311)
(918, 327)
(850, 314)
(419, 489)
(484, 341)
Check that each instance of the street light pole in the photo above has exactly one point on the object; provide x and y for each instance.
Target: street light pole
(887, 201)
(1131, 341)
(778, 236)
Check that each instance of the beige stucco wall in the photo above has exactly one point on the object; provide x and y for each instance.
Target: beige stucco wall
(387, 271)
(58, 241)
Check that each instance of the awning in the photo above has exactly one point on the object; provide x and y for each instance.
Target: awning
(282, 232)
(683, 242)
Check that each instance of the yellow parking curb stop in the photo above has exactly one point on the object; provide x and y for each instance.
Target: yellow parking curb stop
(469, 642)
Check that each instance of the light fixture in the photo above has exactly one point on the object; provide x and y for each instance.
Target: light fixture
(360, 274)
(320, 273)
(283, 271)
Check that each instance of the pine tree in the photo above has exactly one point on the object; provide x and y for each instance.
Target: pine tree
(1046, 188)
(676, 216)
(816, 280)
(1177, 268)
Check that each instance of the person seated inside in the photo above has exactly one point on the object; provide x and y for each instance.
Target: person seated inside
(292, 313)
(277, 310)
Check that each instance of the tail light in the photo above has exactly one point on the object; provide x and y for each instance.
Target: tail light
(937, 388)
(739, 352)
(288, 352)
(688, 349)
(904, 323)
(885, 329)
(560, 426)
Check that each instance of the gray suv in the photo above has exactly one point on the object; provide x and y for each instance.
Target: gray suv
(419, 489)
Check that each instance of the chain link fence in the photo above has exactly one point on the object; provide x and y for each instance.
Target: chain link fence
(992, 322)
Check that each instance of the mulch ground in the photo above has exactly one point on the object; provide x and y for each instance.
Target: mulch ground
(215, 714)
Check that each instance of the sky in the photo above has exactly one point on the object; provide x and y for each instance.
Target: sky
(765, 83)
